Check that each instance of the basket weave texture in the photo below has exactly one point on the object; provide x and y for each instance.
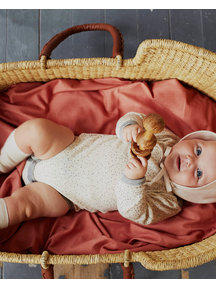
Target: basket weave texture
(154, 60)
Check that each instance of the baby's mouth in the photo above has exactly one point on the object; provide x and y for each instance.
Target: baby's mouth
(178, 162)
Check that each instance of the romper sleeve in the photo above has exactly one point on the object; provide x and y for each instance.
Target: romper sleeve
(145, 207)
(128, 119)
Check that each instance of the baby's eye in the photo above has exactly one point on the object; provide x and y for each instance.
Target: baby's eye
(198, 151)
(199, 173)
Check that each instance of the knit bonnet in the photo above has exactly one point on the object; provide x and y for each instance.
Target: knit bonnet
(204, 194)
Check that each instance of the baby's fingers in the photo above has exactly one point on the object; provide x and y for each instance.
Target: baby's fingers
(138, 163)
(135, 132)
(133, 163)
(143, 161)
(135, 169)
(127, 135)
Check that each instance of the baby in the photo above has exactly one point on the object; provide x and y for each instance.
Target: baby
(97, 173)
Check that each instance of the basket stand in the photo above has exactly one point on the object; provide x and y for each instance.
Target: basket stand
(128, 272)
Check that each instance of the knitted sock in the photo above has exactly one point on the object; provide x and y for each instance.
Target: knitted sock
(3, 214)
(11, 155)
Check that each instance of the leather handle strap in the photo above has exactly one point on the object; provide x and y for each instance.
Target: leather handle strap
(58, 38)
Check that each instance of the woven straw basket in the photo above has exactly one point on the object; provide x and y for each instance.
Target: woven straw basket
(154, 60)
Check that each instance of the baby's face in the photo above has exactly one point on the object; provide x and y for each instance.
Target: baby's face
(192, 163)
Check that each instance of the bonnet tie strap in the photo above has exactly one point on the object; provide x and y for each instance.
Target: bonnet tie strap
(162, 173)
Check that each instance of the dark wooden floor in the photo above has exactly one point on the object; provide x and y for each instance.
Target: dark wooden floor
(24, 32)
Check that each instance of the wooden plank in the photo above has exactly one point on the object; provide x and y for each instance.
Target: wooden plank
(53, 21)
(126, 21)
(1, 268)
(153, 24)
(143, 273)
(21, 271)
(205, 271)
(3, 35)
(22, 35)
(94, 271)
(92, 43)
(209, 24)
(186, 26)
(115, 271)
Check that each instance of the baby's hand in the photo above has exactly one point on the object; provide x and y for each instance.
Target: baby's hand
(136, 168)
(131, 131)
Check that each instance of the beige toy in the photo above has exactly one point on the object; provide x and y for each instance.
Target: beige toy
(146, 140)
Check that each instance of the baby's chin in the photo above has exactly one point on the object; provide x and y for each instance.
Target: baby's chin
(169, 164)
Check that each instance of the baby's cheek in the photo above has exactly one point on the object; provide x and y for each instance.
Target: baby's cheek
(184, 179)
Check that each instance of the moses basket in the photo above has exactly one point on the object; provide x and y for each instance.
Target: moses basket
(154, 60)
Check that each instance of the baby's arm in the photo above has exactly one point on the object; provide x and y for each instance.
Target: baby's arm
(127, 129)
(134, 200)
(136, 203)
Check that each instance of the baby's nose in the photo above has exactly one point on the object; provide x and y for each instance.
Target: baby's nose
(187, 161)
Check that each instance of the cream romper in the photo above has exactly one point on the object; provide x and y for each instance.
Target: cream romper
(89, 172)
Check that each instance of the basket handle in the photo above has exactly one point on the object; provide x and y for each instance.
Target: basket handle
(58, 38)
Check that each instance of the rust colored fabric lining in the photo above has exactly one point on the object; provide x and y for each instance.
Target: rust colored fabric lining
(95, 106)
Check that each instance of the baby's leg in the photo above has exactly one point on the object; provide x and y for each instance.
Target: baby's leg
(43, 138)
(33, 201)
(40, 137)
